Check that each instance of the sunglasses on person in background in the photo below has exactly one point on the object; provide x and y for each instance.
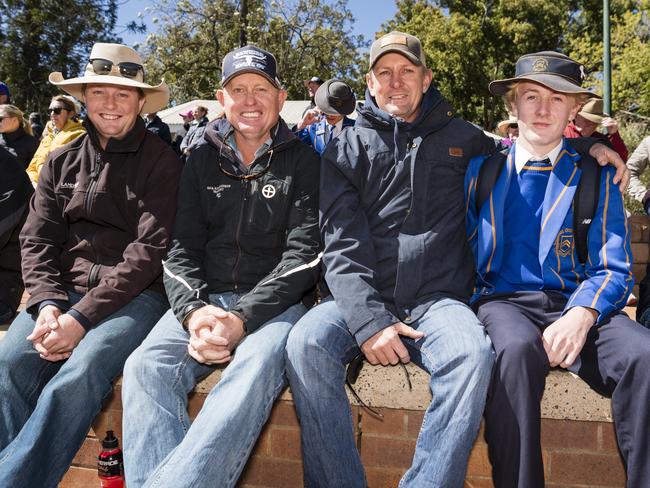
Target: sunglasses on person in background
(513, 126)
(56, 110)
(105, 66)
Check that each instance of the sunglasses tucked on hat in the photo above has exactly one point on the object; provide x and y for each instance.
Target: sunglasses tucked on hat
(115, 64)
(249, 59)
(401, 43)
(555, 71)
(335, 97)
(593, 111)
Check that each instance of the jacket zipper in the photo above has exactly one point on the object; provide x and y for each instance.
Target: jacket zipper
(242, 209)
(94, 176)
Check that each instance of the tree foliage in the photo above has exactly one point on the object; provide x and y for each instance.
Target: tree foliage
(468, 43)
(41, 36)
(308, 38)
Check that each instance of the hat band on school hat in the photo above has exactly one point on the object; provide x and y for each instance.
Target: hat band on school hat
(554, 70)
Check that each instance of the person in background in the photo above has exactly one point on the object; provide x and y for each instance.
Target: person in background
(194, 134)
(312, 85)
(16, 134)
(587, 121)
(15, 189)
(509, 130)
(5, 96)
(92, 249)
(37, 125)
(637, 164)
(334, 102)
(62, 128)
(158, 127)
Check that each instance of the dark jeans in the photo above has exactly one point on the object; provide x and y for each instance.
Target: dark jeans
(615, 361)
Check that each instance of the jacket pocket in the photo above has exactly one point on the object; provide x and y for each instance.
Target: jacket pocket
(267, 211)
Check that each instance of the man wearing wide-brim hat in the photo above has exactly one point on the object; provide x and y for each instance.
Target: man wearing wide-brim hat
(586, 122)
(334, 102)
(550, 291)
(92, 249)
(244, 252)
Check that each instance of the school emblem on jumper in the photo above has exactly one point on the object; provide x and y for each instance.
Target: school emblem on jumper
(564, 243)
(540, 64)
(268, 191)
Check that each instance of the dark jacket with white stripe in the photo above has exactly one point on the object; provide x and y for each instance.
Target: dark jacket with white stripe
(256, 236)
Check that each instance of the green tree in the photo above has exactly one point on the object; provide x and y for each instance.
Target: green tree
(308, 37)
(468, 43)
(630, 51)
(41, 36)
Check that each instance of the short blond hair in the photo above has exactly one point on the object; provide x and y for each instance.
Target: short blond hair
(510, 97)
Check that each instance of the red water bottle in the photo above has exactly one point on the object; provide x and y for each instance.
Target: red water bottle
(110, 466)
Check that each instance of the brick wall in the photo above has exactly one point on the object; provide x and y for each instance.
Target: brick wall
(577, 453)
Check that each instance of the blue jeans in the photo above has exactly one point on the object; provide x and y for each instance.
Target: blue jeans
(46, 408)
(161, 446)
(455, 351)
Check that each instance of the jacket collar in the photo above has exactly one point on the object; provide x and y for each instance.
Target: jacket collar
(15, 135)
(435, 113)
(131, 142)
(217, 131)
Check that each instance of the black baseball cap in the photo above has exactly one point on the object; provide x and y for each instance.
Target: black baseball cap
(554, 70)
(249, 59)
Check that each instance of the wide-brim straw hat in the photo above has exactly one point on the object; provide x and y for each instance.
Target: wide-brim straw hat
(156, 97)
(502, 127)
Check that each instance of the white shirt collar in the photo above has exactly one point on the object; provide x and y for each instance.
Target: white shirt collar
(522, 156)
(337, 128)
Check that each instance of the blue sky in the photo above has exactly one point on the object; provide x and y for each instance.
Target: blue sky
(369, 15)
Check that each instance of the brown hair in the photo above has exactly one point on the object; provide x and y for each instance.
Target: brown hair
(13, 111)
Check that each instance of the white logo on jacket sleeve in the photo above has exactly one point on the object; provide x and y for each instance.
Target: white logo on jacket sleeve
(268, 191)
(6, 195)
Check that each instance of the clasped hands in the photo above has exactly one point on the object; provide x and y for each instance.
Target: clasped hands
(55, 334)
(214, 334)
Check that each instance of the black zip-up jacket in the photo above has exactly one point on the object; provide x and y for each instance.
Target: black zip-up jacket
(21, 145)
(257, 236)
(15, 191)
(100, 222)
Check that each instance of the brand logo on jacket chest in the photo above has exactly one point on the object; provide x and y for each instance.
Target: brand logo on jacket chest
(268, 191)
(217, 190)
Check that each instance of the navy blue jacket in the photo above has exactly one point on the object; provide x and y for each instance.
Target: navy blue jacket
(392, 214)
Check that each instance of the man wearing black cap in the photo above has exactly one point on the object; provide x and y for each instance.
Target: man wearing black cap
(542, 302)
(334, 102)
(244, 252)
